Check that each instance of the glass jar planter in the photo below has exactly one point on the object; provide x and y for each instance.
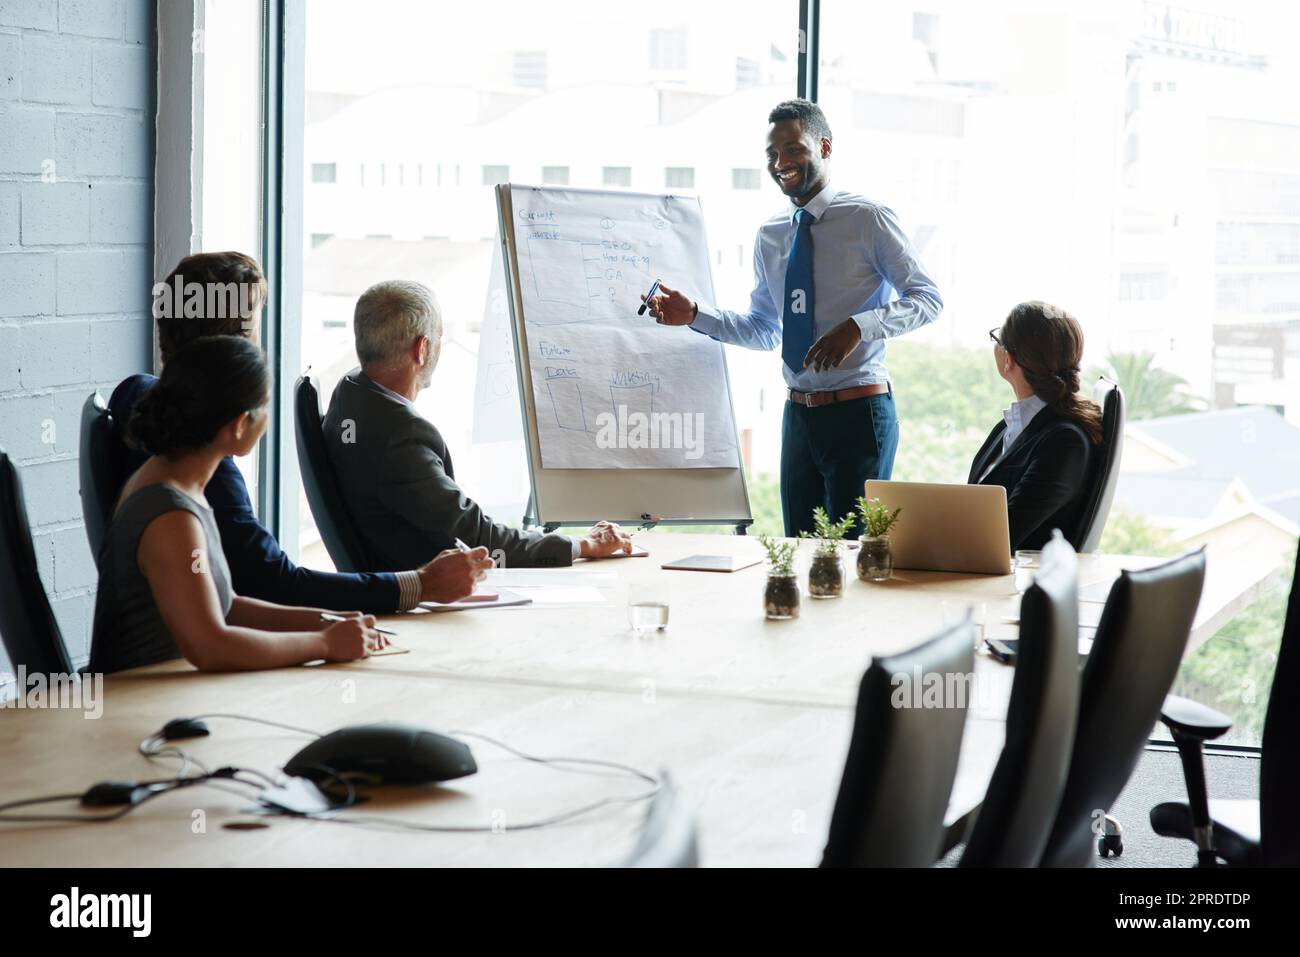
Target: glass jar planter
(781, 597)
(826, 576)
(875, 560)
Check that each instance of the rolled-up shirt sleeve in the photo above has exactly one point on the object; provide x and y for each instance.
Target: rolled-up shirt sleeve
(759, 328)
(896, 259)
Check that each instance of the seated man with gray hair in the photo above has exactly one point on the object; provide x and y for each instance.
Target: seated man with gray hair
(393, 467)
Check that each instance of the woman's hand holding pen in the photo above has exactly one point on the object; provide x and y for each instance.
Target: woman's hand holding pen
(351, 638)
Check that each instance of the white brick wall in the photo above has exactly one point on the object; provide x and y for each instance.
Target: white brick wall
(77, 108)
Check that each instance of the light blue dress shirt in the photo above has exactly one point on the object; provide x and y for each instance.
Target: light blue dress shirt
(1017, 417)
(860, 258)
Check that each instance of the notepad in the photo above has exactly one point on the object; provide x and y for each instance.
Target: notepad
(712, 563)
(635, 553)
(502, 599)
(390, 649)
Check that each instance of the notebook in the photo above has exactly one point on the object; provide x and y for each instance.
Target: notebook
(713, 563)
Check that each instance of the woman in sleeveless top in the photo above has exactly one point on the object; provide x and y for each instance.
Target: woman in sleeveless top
(164, 586)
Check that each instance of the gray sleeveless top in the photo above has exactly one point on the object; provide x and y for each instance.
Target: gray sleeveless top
(129, 631)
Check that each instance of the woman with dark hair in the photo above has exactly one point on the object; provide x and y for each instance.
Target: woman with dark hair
(222, 294)
(1041, 451)
(164, 585)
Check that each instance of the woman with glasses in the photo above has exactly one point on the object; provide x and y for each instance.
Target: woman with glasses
(1041, 451)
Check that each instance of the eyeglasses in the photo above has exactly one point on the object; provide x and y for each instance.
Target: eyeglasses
(993, 334)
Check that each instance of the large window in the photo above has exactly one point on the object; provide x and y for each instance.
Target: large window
(228, 48)
(561, 93)
(1137, 164)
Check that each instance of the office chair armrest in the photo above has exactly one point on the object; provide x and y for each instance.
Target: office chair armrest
(1191, 719)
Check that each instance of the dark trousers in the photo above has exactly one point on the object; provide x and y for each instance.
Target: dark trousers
(829, 452)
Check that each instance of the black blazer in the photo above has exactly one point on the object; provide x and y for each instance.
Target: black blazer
(395, 473)
(1045, 474)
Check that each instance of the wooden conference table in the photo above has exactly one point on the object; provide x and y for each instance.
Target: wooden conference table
(751, 717)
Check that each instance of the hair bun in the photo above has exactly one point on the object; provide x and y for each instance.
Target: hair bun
(157, 421)
(208, 384)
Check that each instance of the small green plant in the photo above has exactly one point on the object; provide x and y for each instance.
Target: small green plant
(780, 554)
(876, 519)
(829, 535)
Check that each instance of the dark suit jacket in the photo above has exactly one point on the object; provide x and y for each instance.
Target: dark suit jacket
(395, 473)
(259, 568)
(1045, 474)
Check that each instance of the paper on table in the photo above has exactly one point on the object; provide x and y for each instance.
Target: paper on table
(504, 599)
(580, 595)
(533, 577)
(606, 382)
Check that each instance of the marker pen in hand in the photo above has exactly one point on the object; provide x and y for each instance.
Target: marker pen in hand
(648, 296)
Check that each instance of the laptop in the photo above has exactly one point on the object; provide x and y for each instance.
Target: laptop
(947, 528)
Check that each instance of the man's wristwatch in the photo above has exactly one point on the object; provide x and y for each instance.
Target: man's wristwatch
(695, 309)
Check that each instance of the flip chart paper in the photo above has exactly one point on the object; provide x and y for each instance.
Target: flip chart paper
(613, 389)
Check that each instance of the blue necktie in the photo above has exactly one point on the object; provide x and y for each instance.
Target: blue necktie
(797, 316)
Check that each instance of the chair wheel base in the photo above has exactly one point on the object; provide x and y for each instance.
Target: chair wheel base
(1111, 841)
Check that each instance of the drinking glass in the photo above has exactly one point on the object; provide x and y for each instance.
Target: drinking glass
(647, 607)
(1025, 566)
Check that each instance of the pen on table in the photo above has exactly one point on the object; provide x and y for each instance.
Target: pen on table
(648, 296)
(326, 616)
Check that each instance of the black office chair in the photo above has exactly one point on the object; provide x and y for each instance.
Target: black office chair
(1135, 656)
(669, 837)
(902, 761)
(98, 489)
(323, 496)
(31, 635)
(1019, 807)
(1243, 833)
(1103, 475)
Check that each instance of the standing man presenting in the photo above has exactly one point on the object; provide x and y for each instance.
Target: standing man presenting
(825, 271)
